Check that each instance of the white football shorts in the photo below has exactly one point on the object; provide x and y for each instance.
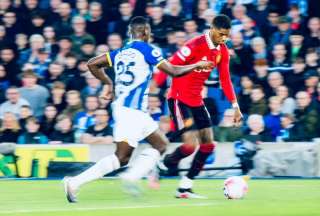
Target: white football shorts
(131, 125)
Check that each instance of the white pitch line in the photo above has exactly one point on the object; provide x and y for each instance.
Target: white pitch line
(164, 205)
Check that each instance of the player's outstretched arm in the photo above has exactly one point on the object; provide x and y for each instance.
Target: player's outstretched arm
(177, 70)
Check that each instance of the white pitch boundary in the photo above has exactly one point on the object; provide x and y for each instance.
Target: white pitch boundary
(164, 205)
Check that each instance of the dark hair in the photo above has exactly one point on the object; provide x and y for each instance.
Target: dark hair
(138, 21)
(221, 22)
(26, 106)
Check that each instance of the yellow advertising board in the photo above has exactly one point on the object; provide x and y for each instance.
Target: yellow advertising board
(43, 154)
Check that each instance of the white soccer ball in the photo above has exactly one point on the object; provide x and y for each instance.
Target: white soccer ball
(235, 187)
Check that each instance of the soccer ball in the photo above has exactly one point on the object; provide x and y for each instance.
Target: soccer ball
(235, 187)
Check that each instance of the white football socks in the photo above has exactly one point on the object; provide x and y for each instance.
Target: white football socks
(185, 183)
(144, 163)
(104, 166)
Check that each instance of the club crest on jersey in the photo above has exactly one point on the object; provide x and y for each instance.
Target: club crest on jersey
(156, 53)
(218, 58)
(185, 51)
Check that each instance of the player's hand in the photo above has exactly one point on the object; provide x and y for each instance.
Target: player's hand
(107, 92)
(238, 117)
(206, 65)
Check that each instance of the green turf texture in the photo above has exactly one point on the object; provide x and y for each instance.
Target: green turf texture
(105, 198)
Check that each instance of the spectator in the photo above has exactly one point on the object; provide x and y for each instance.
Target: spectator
(50, 41)
(74, 104)
(248, 31)
(297, 19)
(191, 28)
(35, 94)
(280, 62)
(241, 60)
(258, 45)
(120, 26)
(76, 76)
(93, 87)
(82, 9)
(258, 103)
(97, 23)
(8, 60)
(246, 84)
(173, 10)
(12, 24)
(86, 118)
(226, 130)
(295, 78)
(57, 97)
(239, 12)
(275, 79)
(25, 113)
(114, 41)
(288, 103)
(101, 132)
(227, 8)
(297, 48)
(40, 65)
(261, 72)
(65, 45)
(80, 34)
(32, 135)
(62, 24)
(10, 128)
(14, 102)
(55, 74)
(272, 119)
(63, 132)
(31, 55)
(283, 32)
(21, 42)
(87, 49)
(208, 16)
(48, 120)
(312, 60)
(4, 83)
(260, 13)
(160, 25)
(36, 23)
(307, 116)
(289, 131)
(311, 81)
(154, 106)
(256, 130)
(101, 49)
(312, 39)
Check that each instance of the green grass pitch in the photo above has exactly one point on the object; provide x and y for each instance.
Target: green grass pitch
(105, 198)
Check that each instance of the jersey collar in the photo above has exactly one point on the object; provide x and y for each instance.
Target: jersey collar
(209, 41)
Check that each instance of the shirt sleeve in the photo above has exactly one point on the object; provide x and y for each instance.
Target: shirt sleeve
(224, 75)
(110, 57)
(153, 55)
(183, 55)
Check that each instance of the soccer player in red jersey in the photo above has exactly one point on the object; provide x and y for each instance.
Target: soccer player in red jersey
(186, 104)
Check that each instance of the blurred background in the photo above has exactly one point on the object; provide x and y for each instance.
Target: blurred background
(53, 123)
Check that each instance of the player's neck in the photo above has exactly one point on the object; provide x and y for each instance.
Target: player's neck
(215, 44)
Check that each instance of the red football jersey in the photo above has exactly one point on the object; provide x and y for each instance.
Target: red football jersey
(187, 88)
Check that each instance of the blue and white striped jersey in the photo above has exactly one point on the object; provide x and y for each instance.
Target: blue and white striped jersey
(133, 65)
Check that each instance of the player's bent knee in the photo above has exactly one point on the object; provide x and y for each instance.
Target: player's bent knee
(207, 147)
(188, 149)
(123, 159)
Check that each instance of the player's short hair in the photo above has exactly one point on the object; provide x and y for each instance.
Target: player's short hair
(221, 22)
(138, 21)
